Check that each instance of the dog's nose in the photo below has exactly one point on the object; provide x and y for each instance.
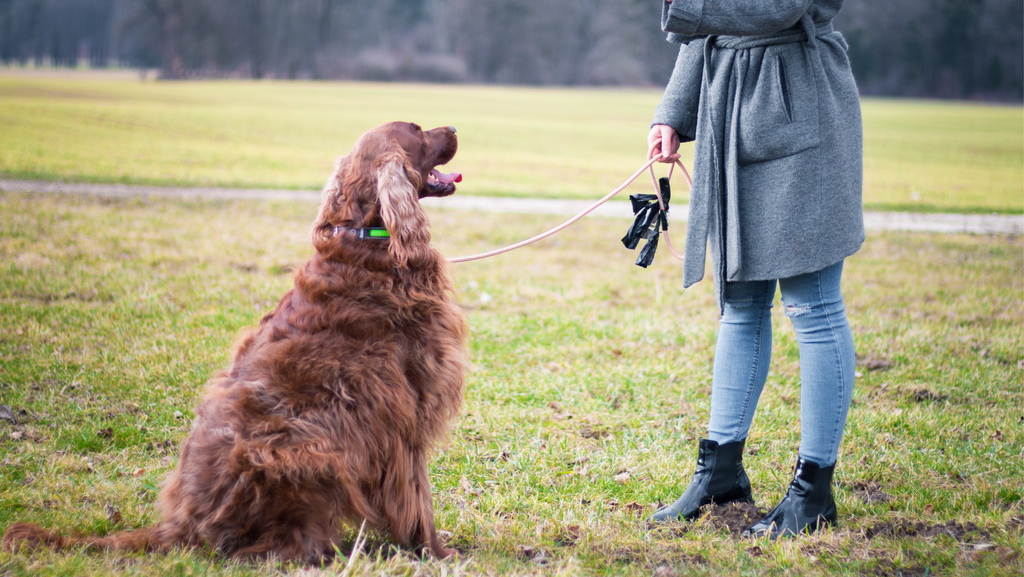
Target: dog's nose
(452, 128)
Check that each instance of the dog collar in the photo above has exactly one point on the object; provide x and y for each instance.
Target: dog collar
(364, 233)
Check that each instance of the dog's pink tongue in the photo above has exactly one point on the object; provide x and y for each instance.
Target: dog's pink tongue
(446, 178)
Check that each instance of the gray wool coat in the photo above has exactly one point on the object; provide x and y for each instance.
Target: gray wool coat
(765, 89)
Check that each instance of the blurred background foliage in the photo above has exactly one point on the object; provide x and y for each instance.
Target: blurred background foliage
(963, 49)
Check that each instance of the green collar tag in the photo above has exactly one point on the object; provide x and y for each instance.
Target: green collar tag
(364, 233)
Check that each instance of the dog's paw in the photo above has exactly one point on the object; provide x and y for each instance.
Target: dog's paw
(443, 552)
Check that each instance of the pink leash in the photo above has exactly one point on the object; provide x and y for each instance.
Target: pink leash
(649, 166)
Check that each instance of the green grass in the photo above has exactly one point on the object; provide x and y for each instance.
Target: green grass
(541, 142)
(113, 313)
(941, 157)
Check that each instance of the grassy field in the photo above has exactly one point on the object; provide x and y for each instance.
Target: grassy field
(549, 142)
(589, 391)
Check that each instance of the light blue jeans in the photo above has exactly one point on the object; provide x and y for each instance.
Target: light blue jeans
(814, 304)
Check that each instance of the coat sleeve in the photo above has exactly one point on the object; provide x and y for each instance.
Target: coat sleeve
(689, 18)
(678, 106)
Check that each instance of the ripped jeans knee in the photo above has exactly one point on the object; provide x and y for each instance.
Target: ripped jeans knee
(795, 310)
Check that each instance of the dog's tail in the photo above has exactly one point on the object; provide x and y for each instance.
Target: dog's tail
(31, 536)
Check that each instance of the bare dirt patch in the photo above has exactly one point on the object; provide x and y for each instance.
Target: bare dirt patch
(734, 517)
(874, 363)
(870, 492)
(963, 532)
(927, 396)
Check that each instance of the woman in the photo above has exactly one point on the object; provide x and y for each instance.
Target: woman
(765, 90)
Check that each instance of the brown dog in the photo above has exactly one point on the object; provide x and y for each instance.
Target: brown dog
(334, 402)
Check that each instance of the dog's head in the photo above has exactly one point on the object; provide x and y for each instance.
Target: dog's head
(380, 183)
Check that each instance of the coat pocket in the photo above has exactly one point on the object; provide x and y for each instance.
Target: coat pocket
(778, 113)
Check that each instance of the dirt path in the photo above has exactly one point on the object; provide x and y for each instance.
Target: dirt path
(873, 221)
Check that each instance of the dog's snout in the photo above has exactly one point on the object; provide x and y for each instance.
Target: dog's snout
(452, 128)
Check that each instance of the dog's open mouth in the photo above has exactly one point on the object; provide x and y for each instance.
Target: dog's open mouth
(442, 184)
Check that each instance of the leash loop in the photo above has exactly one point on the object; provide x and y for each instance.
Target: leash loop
(661, 201)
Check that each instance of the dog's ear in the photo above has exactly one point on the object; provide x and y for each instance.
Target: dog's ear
(405, 219)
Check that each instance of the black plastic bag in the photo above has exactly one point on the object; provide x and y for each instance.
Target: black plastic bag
(649, 222)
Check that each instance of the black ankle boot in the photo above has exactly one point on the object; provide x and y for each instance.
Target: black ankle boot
(719, 478)
(808, 504)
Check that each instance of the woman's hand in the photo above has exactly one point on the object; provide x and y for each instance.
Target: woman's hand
(663, 142)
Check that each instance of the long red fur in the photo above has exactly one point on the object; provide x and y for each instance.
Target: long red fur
(332, 405)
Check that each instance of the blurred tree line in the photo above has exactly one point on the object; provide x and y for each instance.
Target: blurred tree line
(942, 48)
